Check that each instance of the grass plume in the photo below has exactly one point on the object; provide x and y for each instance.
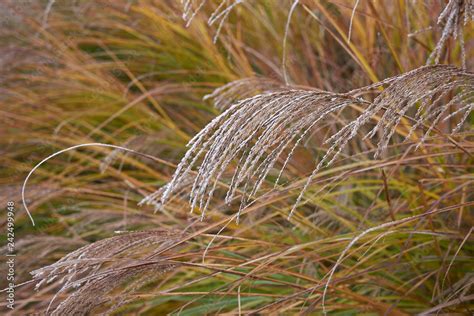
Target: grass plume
(258, 129)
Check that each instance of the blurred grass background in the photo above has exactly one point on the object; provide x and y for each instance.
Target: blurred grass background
(130, 73)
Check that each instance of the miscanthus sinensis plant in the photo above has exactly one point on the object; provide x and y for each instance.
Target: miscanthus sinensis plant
(314, 186)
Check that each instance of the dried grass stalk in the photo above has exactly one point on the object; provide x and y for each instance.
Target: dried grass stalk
(219, 15)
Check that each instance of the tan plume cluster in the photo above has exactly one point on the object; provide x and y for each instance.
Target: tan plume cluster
(95, 270)
(456, 14)
(255, 131)
(234, 91)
